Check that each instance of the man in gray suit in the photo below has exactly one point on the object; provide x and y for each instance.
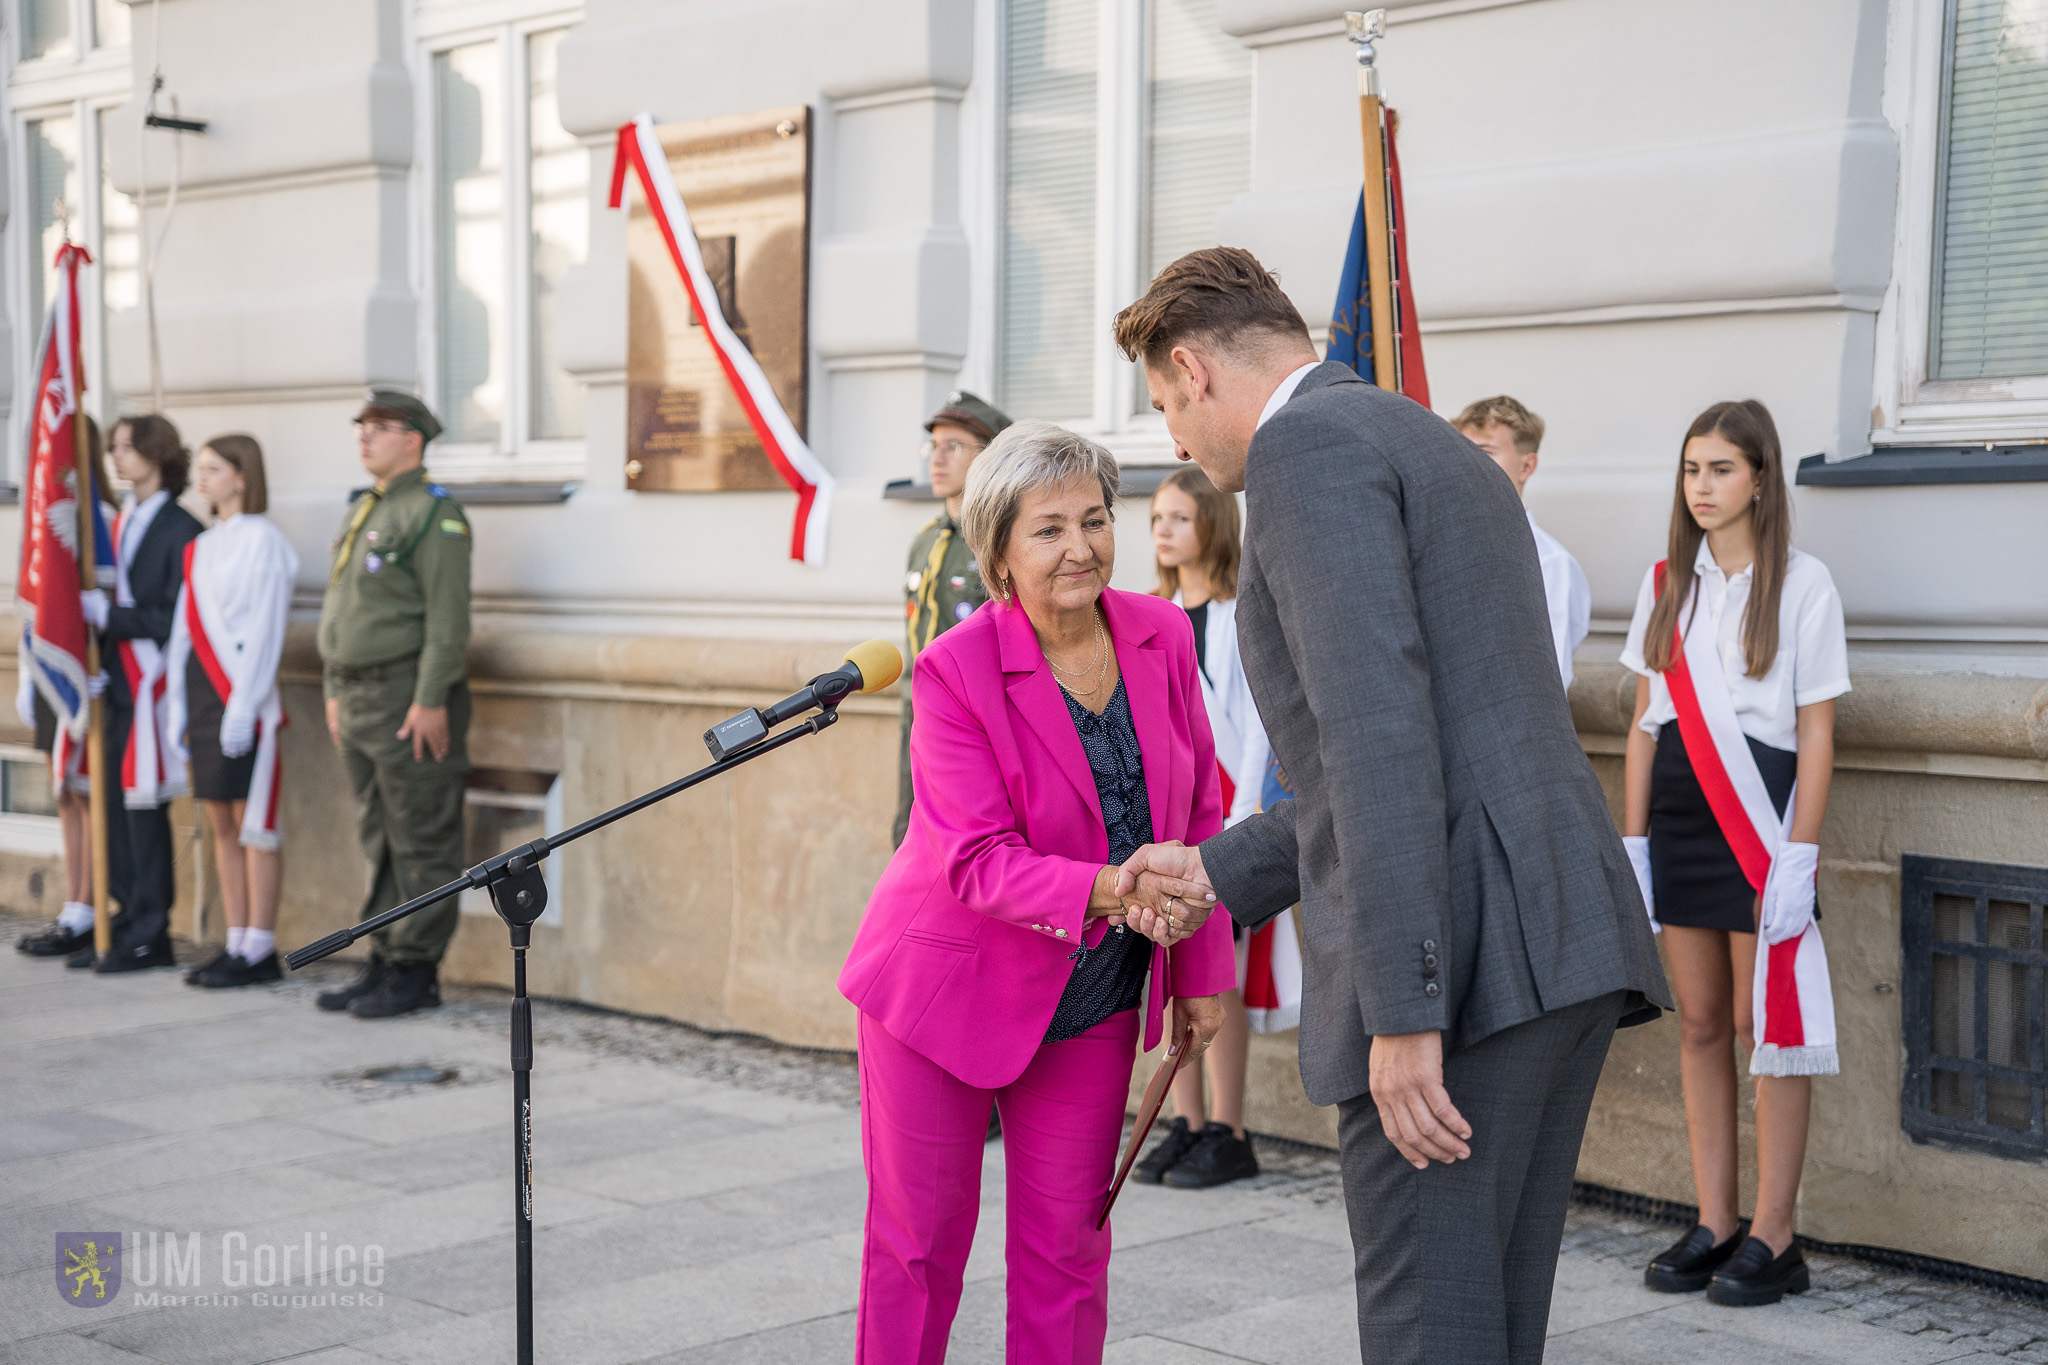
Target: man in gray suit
(1472, 932)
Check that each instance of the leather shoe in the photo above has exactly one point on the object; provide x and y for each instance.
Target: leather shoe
(235, 972)
(82, 959)
(1754, 1277)
(55, 941)
(407, 986)
(213, 964)
(134, 957)
(1219, 1157)
(1165, 1154)
(367, 980)
(1687, 1265)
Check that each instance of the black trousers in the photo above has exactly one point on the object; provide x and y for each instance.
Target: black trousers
(141, 864)
(1456, 1263)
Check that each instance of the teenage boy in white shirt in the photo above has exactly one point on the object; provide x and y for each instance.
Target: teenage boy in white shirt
(1510, 433)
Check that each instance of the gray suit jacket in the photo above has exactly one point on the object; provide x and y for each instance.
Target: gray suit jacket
(1449, 845)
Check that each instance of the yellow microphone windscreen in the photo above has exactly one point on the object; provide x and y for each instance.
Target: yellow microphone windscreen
(879, 662)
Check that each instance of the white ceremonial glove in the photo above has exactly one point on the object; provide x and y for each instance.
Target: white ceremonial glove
(96, 685)
(1788, 892)
(1638, 846)
(25, 699)
(237, 734)
(93, 602)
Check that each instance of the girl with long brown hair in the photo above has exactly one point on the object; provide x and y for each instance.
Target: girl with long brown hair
(1740, 650)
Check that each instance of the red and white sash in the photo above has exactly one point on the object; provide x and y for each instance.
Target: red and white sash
(1792, 1002)
(259, 815)
(151, 770)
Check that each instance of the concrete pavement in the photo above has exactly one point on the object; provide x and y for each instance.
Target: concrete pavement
(697, 1200)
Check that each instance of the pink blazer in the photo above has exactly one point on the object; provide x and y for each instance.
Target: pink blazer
(963, 952)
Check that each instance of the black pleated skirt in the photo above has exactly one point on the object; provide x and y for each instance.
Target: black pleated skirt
(215, 776)
(1693, 872)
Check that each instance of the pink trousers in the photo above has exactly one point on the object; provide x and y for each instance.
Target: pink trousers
(922, 1133)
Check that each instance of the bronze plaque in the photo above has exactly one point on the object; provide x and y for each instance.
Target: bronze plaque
(746, 181)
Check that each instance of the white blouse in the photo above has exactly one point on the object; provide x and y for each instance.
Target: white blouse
(1813, 647)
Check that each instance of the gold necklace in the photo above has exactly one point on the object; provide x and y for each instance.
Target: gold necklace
(1099, 666)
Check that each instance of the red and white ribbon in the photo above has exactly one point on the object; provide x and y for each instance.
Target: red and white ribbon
(266, 783)
(1792, 999)
(812, 483)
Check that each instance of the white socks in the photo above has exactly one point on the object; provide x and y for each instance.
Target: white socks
(256, 944)
(75, 916)
(235, 933)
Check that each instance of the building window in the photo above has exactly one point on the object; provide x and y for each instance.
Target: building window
(1973, 1010)
(28, 804)
(1963, 336)
(1124, 130)
(47, 25)
(510, 217)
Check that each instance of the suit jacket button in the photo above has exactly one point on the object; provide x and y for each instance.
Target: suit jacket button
(1429, 945)
(1429, 973)
(1429, 959)
(1430, 989)
(1059, 933)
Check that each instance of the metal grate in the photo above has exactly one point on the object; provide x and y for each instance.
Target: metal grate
(1976, 967)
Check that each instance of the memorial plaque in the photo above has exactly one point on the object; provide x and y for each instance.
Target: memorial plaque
(746, 181)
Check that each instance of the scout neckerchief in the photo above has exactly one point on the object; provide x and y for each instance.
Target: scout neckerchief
(208, 596)
(927, 599)
(1792, 1002)
(151, 771)
(367, 503)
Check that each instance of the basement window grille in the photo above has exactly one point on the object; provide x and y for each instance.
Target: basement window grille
(1976, 968)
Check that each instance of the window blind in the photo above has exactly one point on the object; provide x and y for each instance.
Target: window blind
(469, 227)
(1048, 322)
(45, 28)
(1991, 318)
(1199, 129)
(558, 186)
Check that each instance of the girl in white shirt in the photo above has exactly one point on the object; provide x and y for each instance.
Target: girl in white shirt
(1739, 644)
(1195, 539)
(226, 641)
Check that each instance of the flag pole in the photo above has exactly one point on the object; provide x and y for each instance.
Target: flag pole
(1362, 27)
(85, 494)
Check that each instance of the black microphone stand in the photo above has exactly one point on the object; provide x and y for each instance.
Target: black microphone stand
(519, 894)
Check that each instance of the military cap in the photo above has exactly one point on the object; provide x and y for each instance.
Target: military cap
(976, 414)
(404, 407)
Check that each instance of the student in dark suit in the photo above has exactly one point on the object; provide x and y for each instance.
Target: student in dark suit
(1472, 929)
(134, 620)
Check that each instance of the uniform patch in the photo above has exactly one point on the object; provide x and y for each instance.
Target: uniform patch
(452, 527)
(372, 562)
(370, 536)
(957, 581)
(963, 611)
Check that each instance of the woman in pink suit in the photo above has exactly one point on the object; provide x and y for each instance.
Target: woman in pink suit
(1058, 729)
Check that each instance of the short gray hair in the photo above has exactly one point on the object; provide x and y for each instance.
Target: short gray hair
(1026, 456)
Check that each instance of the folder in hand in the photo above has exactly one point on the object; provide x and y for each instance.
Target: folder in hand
(1148, 1111)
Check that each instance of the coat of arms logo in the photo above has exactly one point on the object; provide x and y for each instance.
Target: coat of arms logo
(89, 1268)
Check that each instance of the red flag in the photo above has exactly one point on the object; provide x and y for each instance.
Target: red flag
(1407, 331)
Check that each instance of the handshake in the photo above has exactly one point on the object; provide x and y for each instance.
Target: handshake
(1164, 892)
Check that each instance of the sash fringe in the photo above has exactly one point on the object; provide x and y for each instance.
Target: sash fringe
(1771, 1060)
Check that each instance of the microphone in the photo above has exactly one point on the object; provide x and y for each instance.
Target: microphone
(867, 667)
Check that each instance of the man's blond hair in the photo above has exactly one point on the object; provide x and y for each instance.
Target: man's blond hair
(1526, 425)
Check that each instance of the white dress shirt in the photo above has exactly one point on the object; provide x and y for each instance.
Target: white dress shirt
(1567, 594)
(1813, 647)
(134, 526)
(1285, 392)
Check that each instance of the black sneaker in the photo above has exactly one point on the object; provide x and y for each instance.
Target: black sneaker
(213, 964)
(55, 941)
(407, 986)
(367, 980)
(135, 957)
(1219, 1156)
(1753, 1277)
(1167, 1153)
(235, 972)
(1686, 1265)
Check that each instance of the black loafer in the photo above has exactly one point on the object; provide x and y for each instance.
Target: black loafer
(82, 959)
(55, 941)
(1166, 1153)
(205, 969)
(1219, 1157)
(1688, 1264)
(1753, 1277)
(135, 957)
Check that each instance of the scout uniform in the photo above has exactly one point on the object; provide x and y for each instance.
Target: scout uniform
(941, 584)
(393, 630)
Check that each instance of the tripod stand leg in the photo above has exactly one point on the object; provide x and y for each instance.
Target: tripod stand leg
(522, 1151)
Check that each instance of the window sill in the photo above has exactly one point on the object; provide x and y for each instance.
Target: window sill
(1898, 466)
(498, 494)
(1137, 481)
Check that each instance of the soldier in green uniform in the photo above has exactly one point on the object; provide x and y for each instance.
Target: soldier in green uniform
(393, 630)
(942, 586)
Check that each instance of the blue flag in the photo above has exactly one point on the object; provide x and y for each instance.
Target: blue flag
(1351, 320)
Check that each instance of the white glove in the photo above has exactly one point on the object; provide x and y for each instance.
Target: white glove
(1788, 892)
(96, 685)
(93, 602)
(1638, 847)
(237, 734)
(25, 699)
